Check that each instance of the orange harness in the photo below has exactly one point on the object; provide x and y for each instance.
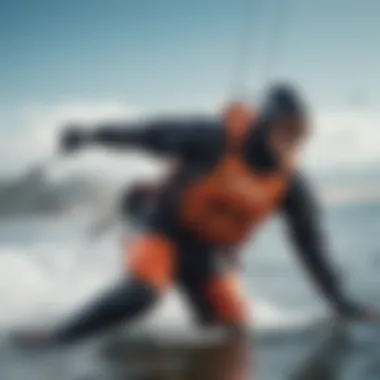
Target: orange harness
(224, 207)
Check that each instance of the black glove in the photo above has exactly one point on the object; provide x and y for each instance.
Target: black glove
(73, 139)
(352, 311)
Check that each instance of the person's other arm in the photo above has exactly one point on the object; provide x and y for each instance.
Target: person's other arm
(161, 136)
(302, 216)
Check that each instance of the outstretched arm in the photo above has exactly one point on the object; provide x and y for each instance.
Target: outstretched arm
(173, 136)
(303, 220)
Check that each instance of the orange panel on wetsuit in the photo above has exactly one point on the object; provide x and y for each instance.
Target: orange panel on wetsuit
(151, 259)
(224, 206)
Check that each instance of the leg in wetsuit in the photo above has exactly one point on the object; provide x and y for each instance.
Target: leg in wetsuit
(155, 263)
(210, 286)
(207, 281)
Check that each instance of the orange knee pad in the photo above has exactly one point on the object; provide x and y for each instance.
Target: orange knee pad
(151, 259)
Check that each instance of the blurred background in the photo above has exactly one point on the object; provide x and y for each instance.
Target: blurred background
(90, 60)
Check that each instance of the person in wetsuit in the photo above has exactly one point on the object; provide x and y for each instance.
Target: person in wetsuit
(233, 173)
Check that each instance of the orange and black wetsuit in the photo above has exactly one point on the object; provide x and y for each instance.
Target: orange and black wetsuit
(226, 184)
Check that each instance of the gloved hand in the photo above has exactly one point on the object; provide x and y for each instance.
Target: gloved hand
(353, 311)
(73, 139)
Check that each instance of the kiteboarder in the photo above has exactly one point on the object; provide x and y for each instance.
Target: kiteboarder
(233, 173)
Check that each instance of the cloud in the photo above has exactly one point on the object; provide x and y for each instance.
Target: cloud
(46, 121)
(345, 138)
(30, 134)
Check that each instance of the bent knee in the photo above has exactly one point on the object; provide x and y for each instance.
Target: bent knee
(151, 261)
(227, 302)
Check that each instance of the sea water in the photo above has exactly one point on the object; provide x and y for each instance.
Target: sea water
(49, 267)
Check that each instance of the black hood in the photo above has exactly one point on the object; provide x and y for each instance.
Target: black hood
(282, 100)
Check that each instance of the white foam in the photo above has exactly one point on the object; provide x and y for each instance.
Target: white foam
(40, 283)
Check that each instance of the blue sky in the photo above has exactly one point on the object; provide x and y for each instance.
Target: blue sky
(91, 59)
(162, 52)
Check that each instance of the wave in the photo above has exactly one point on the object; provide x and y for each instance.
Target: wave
(351, 195)
(41, 283)
(37, 194)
